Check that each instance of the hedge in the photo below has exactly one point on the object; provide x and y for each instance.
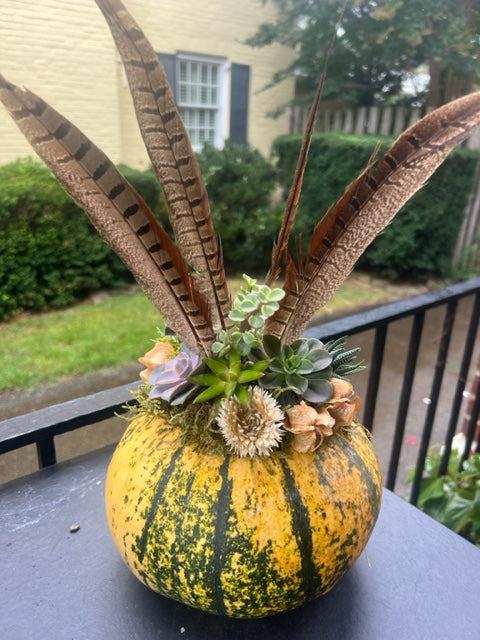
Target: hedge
(50, 255)
(240, 184)
(420, 241)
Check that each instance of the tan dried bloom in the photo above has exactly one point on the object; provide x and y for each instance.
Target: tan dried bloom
(345, 404)
(341, 389)
(251, 429)
(161, 353)
(309, 426)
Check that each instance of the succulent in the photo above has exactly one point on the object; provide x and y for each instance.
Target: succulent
(252, 307)
(342, 361)
(228, 377)
(171, 381)
(302, 368)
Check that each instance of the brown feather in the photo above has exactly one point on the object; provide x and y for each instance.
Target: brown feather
(117, 211)
(281, 244)
(367, 207)
(172, 157)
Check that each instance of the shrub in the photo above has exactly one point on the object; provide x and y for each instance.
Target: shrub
(420, 241)
(50, 255)
(454, 498)
(240, 183)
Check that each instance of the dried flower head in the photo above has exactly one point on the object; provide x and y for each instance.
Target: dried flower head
(309, 426)
(160, 354)
(344, 403)
(254, 428)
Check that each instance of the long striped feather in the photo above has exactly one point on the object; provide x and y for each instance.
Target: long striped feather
(117, 211)
(280, 246)
(172, 157)
(367, 206)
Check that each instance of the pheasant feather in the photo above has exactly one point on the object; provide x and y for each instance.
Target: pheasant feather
(117, 211)
(280, 246)
(367, 206)
(172, 157)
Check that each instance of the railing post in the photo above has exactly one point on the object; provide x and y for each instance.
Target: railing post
(434, 394)
(46, 452)
(462, 378)
(374, 378)
(404, 401)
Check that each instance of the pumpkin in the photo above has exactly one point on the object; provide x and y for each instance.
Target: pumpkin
(242, 537)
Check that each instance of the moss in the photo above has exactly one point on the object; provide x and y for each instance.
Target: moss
(197, 421)
(198, 426)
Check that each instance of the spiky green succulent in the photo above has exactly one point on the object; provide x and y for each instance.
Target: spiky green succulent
(343, 364)
(228, 377)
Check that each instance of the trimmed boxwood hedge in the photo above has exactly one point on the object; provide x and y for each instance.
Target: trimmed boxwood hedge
(50, 255)
(420, 241)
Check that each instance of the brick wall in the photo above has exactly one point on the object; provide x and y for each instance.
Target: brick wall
(63, 51)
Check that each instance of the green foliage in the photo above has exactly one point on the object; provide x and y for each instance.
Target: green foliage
(240, 183)
(251, 309)
(302, 368)
(420, 241)
(343, 364)
(50, 255)
(229, 377)
(454, 498)
(380, 45)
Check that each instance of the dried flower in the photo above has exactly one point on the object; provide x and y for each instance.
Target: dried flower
(309, 426)
(344, 403)
(254, 428)
(161, 353)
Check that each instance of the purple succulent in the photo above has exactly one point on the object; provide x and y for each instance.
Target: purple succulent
(170, 380)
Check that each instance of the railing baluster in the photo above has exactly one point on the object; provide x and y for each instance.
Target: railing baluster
(374, 378)
(434, 394)
(413, 348)
(472, 427)
(46, 452)
(461, 381)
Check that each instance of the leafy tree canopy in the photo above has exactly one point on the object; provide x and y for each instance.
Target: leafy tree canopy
(381, 45)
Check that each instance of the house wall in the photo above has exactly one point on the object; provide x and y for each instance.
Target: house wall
(64, 52)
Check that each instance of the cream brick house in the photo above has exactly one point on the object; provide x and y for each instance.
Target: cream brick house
(62, 50)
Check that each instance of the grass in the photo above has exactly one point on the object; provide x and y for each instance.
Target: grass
(46, 348)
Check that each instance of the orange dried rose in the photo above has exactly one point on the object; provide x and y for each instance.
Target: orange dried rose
(161, 353)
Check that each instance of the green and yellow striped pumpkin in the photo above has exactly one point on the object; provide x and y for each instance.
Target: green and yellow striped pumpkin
(242, 537)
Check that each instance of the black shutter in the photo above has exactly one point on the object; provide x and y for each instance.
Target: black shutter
(169, 61)
(239, 103)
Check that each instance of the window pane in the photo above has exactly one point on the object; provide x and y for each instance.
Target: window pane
(183, 71)
(198, 95)
(193, 72)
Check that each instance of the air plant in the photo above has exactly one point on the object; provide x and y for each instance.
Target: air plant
(186, 279)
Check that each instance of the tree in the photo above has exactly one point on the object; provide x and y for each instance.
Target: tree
(380, 46)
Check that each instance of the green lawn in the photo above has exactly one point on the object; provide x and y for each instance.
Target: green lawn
(41, 349)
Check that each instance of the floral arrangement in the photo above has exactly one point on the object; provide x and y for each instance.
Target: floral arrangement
(257, 389)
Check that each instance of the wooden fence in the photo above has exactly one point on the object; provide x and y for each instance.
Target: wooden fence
(392, 121)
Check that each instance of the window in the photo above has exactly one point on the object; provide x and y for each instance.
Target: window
(200, 99)
(199, 86)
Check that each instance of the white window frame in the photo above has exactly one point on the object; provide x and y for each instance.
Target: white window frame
(191, 108)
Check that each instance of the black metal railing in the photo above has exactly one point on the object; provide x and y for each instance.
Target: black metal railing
(40, 427)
